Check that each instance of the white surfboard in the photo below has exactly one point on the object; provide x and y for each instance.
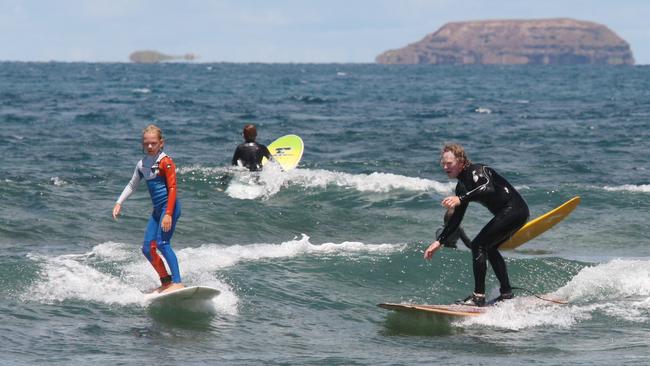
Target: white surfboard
(184, 296)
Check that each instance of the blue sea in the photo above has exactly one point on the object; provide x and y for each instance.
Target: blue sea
(303, 257)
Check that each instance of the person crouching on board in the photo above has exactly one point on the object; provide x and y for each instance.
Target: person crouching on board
(482, 184)
(159, 172)
(250, 153)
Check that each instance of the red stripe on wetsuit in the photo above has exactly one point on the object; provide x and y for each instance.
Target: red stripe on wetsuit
(168, 171)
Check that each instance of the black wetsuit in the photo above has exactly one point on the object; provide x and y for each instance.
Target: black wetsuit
(451, 239)
(250, 154)
(479, 183)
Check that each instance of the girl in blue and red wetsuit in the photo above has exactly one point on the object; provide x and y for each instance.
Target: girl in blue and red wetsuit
(159, 171)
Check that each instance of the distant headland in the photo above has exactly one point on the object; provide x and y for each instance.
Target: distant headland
(152, 57)
(516, 42)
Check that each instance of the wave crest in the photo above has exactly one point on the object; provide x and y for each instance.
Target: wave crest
(268, 182)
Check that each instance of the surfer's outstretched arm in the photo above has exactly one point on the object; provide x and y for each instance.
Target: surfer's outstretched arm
(128, 190)
(431, 250)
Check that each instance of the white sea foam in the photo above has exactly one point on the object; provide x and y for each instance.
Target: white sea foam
(115, 273)
(56, 181)
(102, 275)
(110, 251)
(529, 312)
(212, 256)
(619, 278)
(272, 179)
(252, 185)
(67, 277)
(644, 188)
(619, 289)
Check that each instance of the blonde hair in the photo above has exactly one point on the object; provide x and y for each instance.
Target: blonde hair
(153, 129)
(458, 151)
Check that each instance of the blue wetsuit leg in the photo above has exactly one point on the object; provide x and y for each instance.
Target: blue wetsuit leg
(164, 243)
(150, 233)
(150, 248)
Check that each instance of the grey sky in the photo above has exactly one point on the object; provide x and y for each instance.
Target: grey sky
(273, 31)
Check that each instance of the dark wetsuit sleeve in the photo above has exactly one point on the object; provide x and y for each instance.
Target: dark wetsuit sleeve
(485, 185)
(266, 152)
(466, 240)
(455, 219)
(236, 156)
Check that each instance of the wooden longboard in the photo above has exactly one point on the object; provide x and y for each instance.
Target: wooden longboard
(450, 310)
(540, 224)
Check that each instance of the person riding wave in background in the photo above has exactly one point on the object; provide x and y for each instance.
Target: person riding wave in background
(250, 153)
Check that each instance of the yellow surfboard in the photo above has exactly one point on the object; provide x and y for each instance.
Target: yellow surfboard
(540, 224)
(287, 151)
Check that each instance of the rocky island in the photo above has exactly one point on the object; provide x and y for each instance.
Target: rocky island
(516, 42)
(152, 57)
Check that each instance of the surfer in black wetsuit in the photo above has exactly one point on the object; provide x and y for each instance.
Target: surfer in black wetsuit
(250, 153)
(480, 183)
(451, 239)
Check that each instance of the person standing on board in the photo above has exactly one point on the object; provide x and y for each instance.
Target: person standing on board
(250, 153)
(159, 172)
(482, 184)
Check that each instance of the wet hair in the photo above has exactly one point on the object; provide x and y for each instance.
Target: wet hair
(250, 133)
(153, 129)
(458, 151)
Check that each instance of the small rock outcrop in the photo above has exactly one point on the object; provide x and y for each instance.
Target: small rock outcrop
(516, 42)
(152, 57)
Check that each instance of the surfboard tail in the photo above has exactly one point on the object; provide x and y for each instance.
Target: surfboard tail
(540, 224)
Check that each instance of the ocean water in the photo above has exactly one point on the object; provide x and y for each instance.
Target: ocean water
(303, 257)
